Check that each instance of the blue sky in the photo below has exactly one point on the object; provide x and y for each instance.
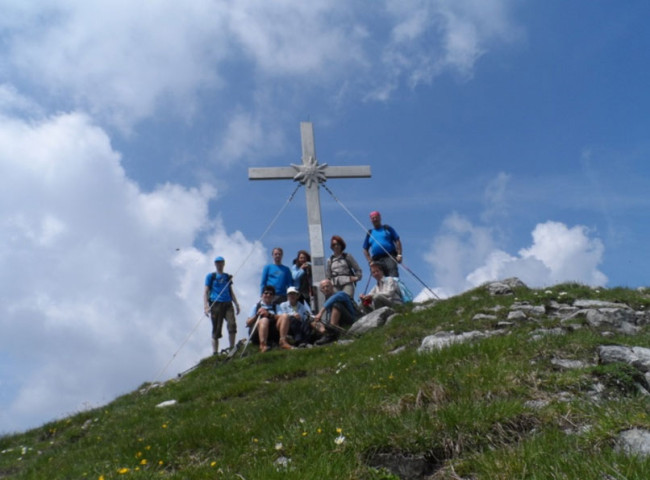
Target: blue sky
(505, 138)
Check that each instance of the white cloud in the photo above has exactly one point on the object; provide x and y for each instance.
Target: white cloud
(101, 284)
(429, 38)
(464, 256)
(122, 60)
(247, 136)
(292, 37)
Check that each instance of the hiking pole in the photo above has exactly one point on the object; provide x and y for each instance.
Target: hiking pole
(333, 328)
(248, 340)
(365, 290)
(419, 280)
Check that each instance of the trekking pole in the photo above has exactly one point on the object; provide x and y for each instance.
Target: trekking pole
(333, 328)
(365, 290)
(248, 340)
(419, 280)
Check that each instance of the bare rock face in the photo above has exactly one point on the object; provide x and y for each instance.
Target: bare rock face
(634, 442)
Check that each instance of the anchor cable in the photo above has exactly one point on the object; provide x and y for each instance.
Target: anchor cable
(196, 325)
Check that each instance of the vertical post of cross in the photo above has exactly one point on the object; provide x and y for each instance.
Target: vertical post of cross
(311, 174)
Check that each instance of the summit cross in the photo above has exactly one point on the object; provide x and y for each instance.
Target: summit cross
(311, 174)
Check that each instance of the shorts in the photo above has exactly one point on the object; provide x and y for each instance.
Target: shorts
(219, 311)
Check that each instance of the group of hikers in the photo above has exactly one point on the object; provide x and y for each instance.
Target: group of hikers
(283, 315)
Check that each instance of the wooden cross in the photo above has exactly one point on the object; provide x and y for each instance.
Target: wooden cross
(311, 174)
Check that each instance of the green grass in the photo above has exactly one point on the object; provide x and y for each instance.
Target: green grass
(332, 412)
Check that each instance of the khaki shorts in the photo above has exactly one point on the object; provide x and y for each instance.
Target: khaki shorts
(218, 312)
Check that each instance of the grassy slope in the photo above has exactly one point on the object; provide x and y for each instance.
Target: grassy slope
(340, 411)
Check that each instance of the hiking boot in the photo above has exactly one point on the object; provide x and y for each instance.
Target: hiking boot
(285, 345)
(327, 338)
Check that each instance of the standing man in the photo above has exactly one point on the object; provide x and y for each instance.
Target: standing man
(278, 276)
(218, 300)
(382, 245)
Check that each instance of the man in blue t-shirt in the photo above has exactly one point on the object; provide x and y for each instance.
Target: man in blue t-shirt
(382, 245)
(218, 300)
(278, 276)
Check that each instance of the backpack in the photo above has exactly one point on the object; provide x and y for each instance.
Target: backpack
(407, 296)
(213, 278)
(384, 226)
(347, 262)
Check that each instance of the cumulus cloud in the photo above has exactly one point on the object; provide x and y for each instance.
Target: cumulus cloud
(121, 60)
(101, 283)
(464, 256)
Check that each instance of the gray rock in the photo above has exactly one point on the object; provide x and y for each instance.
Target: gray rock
(514, 282)
(498, 288)
(517, 316)
(444, 339)
(597, 304)
(634, 442)
(568, 364)
(535, 310)
(545, 332)
(425, 306)
(374, 319)
(638, 357)
(482, 316)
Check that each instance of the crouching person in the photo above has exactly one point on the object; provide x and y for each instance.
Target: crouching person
(385, 294)
(338, 311)
(297, 315)
(264, 325)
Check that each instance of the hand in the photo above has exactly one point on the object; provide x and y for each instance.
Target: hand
(237, 310)
(398, 258)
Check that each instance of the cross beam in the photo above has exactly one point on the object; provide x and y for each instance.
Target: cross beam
(311, 174)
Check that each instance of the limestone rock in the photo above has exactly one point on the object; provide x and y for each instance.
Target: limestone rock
(634, 442)
(374, 319)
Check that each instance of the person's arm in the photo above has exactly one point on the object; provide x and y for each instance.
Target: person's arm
(398, 249)
(234, 299)
(206, 300)
(356, 269)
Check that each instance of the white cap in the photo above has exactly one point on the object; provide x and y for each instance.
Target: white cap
(292, 290)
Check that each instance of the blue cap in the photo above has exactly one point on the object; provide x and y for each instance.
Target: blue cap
(219, 259)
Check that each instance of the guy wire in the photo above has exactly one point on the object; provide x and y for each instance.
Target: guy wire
(370, 233)
(196, 325)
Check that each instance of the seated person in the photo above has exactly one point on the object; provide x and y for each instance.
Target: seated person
(385, 294)
(338, 310)
(298, 316)
(263, 324)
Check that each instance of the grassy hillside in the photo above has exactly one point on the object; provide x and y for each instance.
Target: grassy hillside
(373, 408)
